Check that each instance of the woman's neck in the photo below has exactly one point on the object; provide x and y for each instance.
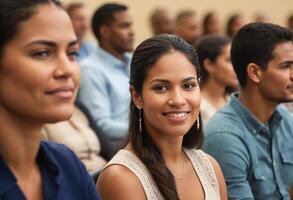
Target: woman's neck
(19, 143)
(214, 93)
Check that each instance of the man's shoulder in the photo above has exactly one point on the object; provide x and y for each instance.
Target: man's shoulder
(225, 120)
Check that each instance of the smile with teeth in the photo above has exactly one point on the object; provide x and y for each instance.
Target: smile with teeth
(176, 115)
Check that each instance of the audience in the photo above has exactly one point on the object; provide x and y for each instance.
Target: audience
(217, 73)
(252, 137)
(103, 94)
(187, 26)
(39, 77)
(211, 24)
(234, 23)
(162, 160)
(76, 134)
(162, 22)
(80, 21)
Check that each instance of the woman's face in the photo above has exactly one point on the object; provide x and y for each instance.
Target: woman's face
(170, 97)
(223, 71)
(39, 75)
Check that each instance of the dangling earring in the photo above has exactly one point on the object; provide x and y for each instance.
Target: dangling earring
(140, 120)
(197, 123)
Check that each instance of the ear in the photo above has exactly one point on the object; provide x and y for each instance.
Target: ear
(104, 31)
(254, 72)
(136, 98)
(208, 66)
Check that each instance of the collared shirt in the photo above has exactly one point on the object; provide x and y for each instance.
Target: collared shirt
(104, 97)
(85, 50)
(63, 176)
(256, 158)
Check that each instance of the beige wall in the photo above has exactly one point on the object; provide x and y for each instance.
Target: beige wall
(277, 10)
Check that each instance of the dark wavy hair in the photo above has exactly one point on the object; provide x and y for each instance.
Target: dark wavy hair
(13, 12)
(144, 57)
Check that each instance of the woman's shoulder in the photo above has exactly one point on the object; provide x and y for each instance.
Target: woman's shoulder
(118, 182)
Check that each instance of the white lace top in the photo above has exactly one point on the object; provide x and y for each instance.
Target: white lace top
(199, 160)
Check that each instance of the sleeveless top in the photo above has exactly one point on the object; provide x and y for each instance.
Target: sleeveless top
(200, 163)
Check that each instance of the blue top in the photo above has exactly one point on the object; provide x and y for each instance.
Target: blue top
(85, 49)
(256, 158)
(104, 97)
(64, 176)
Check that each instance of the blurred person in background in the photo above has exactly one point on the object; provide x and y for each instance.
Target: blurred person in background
(77, 135)
(81, 24)
(290, 22)
(162, 21)
(211, 24)
(217, 73)
(234, 23)
(187, 26)
(103, 95)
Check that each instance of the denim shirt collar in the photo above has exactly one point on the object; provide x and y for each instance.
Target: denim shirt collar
(250, 121)
(8, 181)
(124, 63)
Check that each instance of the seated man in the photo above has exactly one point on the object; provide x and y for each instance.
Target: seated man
(252, 136)
(104, 88)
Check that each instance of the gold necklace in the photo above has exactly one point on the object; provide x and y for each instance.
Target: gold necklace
(181, 177)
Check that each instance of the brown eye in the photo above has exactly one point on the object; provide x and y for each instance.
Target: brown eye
(160, 88)
(41, 54)
(189, 85)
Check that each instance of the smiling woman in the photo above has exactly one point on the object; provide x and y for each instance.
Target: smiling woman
(39, 77)
(162, 159)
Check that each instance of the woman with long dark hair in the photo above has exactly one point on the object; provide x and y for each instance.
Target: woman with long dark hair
(39, 77)
(162, 159)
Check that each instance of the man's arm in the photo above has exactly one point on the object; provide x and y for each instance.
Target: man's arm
(94, 100)
(230, 151)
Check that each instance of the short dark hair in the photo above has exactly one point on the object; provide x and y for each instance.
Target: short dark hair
(13, 12)
(210, 47)
(104, 15)
(73, 6)
(255, 43)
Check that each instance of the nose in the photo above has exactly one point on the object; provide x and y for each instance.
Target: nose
(65, 68)
(176, 98)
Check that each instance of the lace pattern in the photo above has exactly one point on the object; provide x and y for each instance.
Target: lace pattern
(199, 160)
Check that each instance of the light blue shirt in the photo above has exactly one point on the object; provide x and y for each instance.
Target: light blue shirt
(104, 97)
(256, 158)
(85, 50)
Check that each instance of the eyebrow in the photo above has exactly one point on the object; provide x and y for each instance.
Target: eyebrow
(50, 43)
(290, 62)
(166, 81)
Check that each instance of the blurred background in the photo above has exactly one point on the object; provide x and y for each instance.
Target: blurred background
(274, 11)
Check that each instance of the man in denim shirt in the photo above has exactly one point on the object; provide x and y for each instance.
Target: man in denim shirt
(104, 88)
(251, 137)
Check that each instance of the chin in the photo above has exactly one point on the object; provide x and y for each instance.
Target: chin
(61, 114)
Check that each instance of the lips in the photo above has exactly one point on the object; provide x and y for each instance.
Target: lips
(61, 92)
(177, 116)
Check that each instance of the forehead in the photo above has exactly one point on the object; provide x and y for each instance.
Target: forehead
(172, 66)
(49, 22)
(78, 11)
(121, 16)
(283, 52)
